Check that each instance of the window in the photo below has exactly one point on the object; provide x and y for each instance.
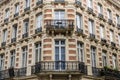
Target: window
(2, 57)
(24, 56)
(114, 60)
(12, 58)
(79, 21)
(37, 52)
(27, 3)
(119, 38)
(60, 54)
(109, 13)
(59, 14)
(91, 26)
(111, 35)
(104, 58)
(14, 32)
(80, 50)
(90, 4)
(39, 21)
(117, 19)
(5, 35)
(102, 31)
(17, 8)
(100, 10)
(26, 24)
(93, 56)
(7, 13)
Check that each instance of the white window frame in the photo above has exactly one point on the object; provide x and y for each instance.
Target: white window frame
(38, 50)
(17, 8)
(119, 39)
(102, 34)
(27, 3)
(79, 21)
(5, 35)
(26, 25)
(114, 60)
(80, 49)
(14, 33)
(90, 3)
(111, 35)
(109, 13)
(2, 59)
(39, 21)
(117, 19)
(7, 13)
(59, 14)
(91, 26)
(93, 56)
(24, 56)
(12, 58)
(104, 58)
(100, 9)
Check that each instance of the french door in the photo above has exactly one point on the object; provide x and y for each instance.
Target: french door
(59, 54)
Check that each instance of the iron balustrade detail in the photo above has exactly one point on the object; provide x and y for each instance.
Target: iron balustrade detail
(59, 1)
(61, 66)
(90, 10)
(77, 3)
(113, 44)
(13, 40)
(110, 21)
(9, 73)
(22, 72)
(39, 2)
(38, 30)
(6, 20)
(104, 41)
(25, 35)
(3, 44)
(110, 73)
(26, 9)
(79, 31)
(100, 16)
(96, 71)
(59, 24)
(92, 36)
(118, 25)
(16, 14)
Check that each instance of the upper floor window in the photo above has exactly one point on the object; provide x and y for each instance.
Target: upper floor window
(7, 13)
(79, 21)
(2, 59)
(90, 3)
(59, 14)
(26, 24)
(93, 56)
(12, 59)
(5, 35)
(117, 19)
(24, 56)
(27, 3)
(102, 31)
(111, 35)
(37, 52)
(100, 9)
(39, 21)
(119, 38)
(14, 32)
(109, 14)
(104, 58)
(91, 26)
(114, 60)
(17, 8)
(80, 50)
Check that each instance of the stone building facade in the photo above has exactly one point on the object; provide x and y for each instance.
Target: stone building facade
(60, 39)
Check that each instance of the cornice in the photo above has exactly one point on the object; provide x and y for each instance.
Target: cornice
(115, 2)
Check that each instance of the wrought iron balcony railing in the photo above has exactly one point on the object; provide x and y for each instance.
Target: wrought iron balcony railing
(110, 21)
(113, 44)
(104, 41)
(26, 9)
(59, 24)
(3, 44)
(59, 1)
(61, 66)
(25, 35)
(100, 16)
(22, 72)
(6, 20)
(77, 3)
(38, 30)
(16, 14)
(13, 40)
(96, 71)
(39, 2)
(92, 36)
(79, 31)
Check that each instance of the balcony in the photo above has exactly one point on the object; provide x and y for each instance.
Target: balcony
(9, 73)
(100, 16)
(38, 30)
(59, 1)
(16, 14)
(25, 35)
(96, 71)
(59, 26)
(90, 11)
(3, 44)
(103, 41)
(92, 36)
(40, 2)
(13, 40)
(59, 66)
(118, 25)
(6, 20)
(27, 9)
(109, 73)
(110, 21)
(22, 72)
(113, 44)
(77, 3)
